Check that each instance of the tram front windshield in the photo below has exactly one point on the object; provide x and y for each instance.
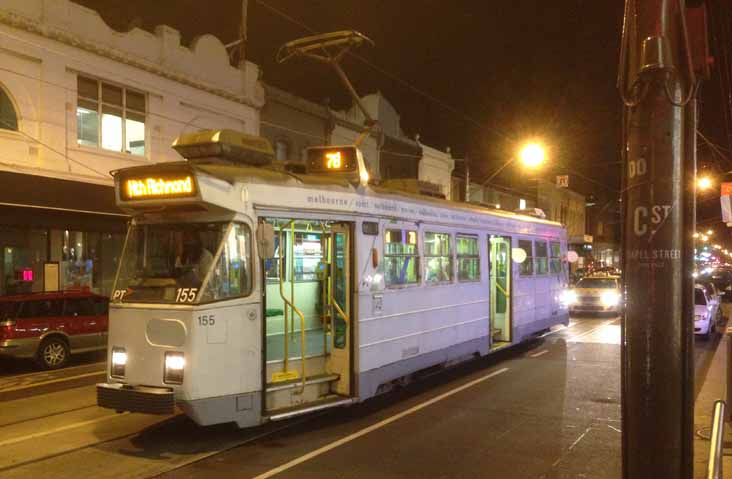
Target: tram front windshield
(169, 263)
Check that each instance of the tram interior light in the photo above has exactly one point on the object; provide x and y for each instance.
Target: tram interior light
(174, 364)
(119, 361)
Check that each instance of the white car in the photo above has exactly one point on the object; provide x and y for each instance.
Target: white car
(595, 294)
(707, 313)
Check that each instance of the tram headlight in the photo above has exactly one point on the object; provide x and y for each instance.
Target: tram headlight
(568, 297)
(119, 361)
(609, 298)
(175, 362)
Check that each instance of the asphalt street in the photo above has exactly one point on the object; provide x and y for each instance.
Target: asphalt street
(547, 409)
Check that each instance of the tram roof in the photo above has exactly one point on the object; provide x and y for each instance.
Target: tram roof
(276, 177)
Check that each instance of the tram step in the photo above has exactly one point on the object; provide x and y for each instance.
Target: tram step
(293, 383)
(290, 393)
(327, 402)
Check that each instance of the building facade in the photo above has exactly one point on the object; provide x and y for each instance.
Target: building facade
(78, 100)
(292, 124)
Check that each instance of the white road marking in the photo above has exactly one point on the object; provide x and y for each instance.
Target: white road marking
(374, 427)
(586, 333)
(16, 440)
(536, 355)
(51, 381)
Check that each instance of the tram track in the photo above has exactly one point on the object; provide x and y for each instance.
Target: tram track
(144, 446)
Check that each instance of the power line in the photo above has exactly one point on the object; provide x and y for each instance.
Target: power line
(393, 77)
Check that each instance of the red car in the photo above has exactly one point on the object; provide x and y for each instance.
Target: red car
(50, 326)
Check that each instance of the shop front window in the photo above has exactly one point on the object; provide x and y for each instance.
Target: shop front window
(88, 260)
(23, 255)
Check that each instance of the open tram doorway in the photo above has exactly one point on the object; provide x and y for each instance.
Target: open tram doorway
(500, 287)
(307, 311)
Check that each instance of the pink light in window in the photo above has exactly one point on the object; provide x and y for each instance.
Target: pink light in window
(27, 275)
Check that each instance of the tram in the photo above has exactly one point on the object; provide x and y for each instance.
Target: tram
(247, 292)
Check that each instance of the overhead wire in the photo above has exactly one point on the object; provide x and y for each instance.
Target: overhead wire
(392, 76)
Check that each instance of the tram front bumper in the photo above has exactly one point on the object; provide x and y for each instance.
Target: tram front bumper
(142, 399)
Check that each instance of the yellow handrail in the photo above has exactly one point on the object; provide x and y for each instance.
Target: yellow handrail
(282, 295)
(295, 310)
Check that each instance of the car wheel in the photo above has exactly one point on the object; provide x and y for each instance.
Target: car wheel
(53, 353)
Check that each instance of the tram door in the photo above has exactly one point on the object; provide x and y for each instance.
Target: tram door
(500, 285)
(339, 361)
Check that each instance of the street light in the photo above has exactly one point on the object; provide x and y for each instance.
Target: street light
(704, 183)
(532, 155)
(710, 232)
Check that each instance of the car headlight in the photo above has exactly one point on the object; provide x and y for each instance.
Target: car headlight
(609, 298)
(568, 297)
(697, 317)
(175, 362)
(119, 361)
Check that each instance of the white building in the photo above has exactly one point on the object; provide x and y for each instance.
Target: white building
(78, 99)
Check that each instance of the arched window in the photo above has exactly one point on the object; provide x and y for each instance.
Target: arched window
(8, 117)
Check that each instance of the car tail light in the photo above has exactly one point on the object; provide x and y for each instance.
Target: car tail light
(119, 362)
(174, 364)
(7, 329)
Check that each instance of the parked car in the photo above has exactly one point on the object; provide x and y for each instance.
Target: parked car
(596, 293)
(707, 312)
(49, 327)
(722, 279)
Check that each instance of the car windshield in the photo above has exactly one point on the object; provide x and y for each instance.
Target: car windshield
(699, 297)
(160, 261)
(597, 283)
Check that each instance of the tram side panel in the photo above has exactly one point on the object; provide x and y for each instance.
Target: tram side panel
(404, 329)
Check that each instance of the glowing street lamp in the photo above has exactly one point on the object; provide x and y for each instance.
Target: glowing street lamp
(710, 232)
(704, 183)
(532, 155)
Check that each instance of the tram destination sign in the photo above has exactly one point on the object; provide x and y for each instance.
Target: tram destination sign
(333, 159)
(157, 187)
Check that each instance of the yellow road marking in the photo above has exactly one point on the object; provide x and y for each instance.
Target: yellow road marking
(51, 381)
(16, 440)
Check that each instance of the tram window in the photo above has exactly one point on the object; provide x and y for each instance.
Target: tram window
(555, 264)
(160, 261)
(540, 259)
(468, 258)
(231, 276)
(438, 257)
(308, 253)
(401, 260)
(527, 267)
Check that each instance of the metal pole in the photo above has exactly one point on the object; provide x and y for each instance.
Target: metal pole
(657, 398)
(467, 179)
(243, 34)
(728, 416)
(716, 446)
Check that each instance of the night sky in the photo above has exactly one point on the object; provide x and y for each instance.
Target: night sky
(478, 76)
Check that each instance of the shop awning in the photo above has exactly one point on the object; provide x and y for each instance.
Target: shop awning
(41, 201)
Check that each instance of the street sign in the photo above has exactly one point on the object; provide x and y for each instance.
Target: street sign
(563, 181)
(726, 202)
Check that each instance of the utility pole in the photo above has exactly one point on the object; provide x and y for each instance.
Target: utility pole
(243, 34)
(658, 84)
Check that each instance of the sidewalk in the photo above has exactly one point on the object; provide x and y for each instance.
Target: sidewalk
(712, 388)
